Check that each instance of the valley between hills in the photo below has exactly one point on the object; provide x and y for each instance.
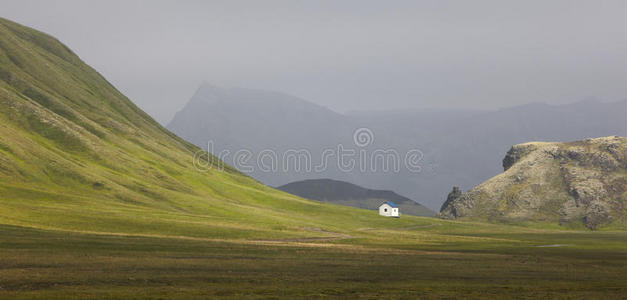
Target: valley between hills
(97, 200)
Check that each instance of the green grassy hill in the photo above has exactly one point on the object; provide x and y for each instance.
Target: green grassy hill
(76, 154)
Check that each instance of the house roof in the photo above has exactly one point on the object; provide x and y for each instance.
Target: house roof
(390, 203)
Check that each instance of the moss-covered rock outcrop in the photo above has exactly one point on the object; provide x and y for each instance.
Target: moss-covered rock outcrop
(567, 183)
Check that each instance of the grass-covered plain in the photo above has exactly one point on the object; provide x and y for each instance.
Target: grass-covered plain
(451, 260)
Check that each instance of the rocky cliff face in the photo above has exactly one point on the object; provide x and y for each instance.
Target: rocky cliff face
(582, 181)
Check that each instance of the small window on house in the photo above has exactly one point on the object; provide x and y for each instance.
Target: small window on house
(385, 210)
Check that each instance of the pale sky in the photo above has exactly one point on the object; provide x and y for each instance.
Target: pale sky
(347, 55)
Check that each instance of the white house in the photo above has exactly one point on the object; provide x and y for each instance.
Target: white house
(389, 209)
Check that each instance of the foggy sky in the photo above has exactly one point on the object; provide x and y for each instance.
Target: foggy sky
(347, 55)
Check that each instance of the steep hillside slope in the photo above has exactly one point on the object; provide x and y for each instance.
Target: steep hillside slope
(577, 182)
(344, 193)
(76, 154)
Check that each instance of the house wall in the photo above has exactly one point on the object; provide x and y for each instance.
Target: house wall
(395, 212)
(391, 211)
(382, 210)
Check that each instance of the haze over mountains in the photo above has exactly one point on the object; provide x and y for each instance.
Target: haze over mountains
(100, 201)
(460, 147)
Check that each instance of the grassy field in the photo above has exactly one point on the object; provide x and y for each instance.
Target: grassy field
(438, 260)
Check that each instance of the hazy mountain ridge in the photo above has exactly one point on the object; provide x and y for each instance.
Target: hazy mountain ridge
(461, 147)
(576, 182)
(236, 118)
(344, 193)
